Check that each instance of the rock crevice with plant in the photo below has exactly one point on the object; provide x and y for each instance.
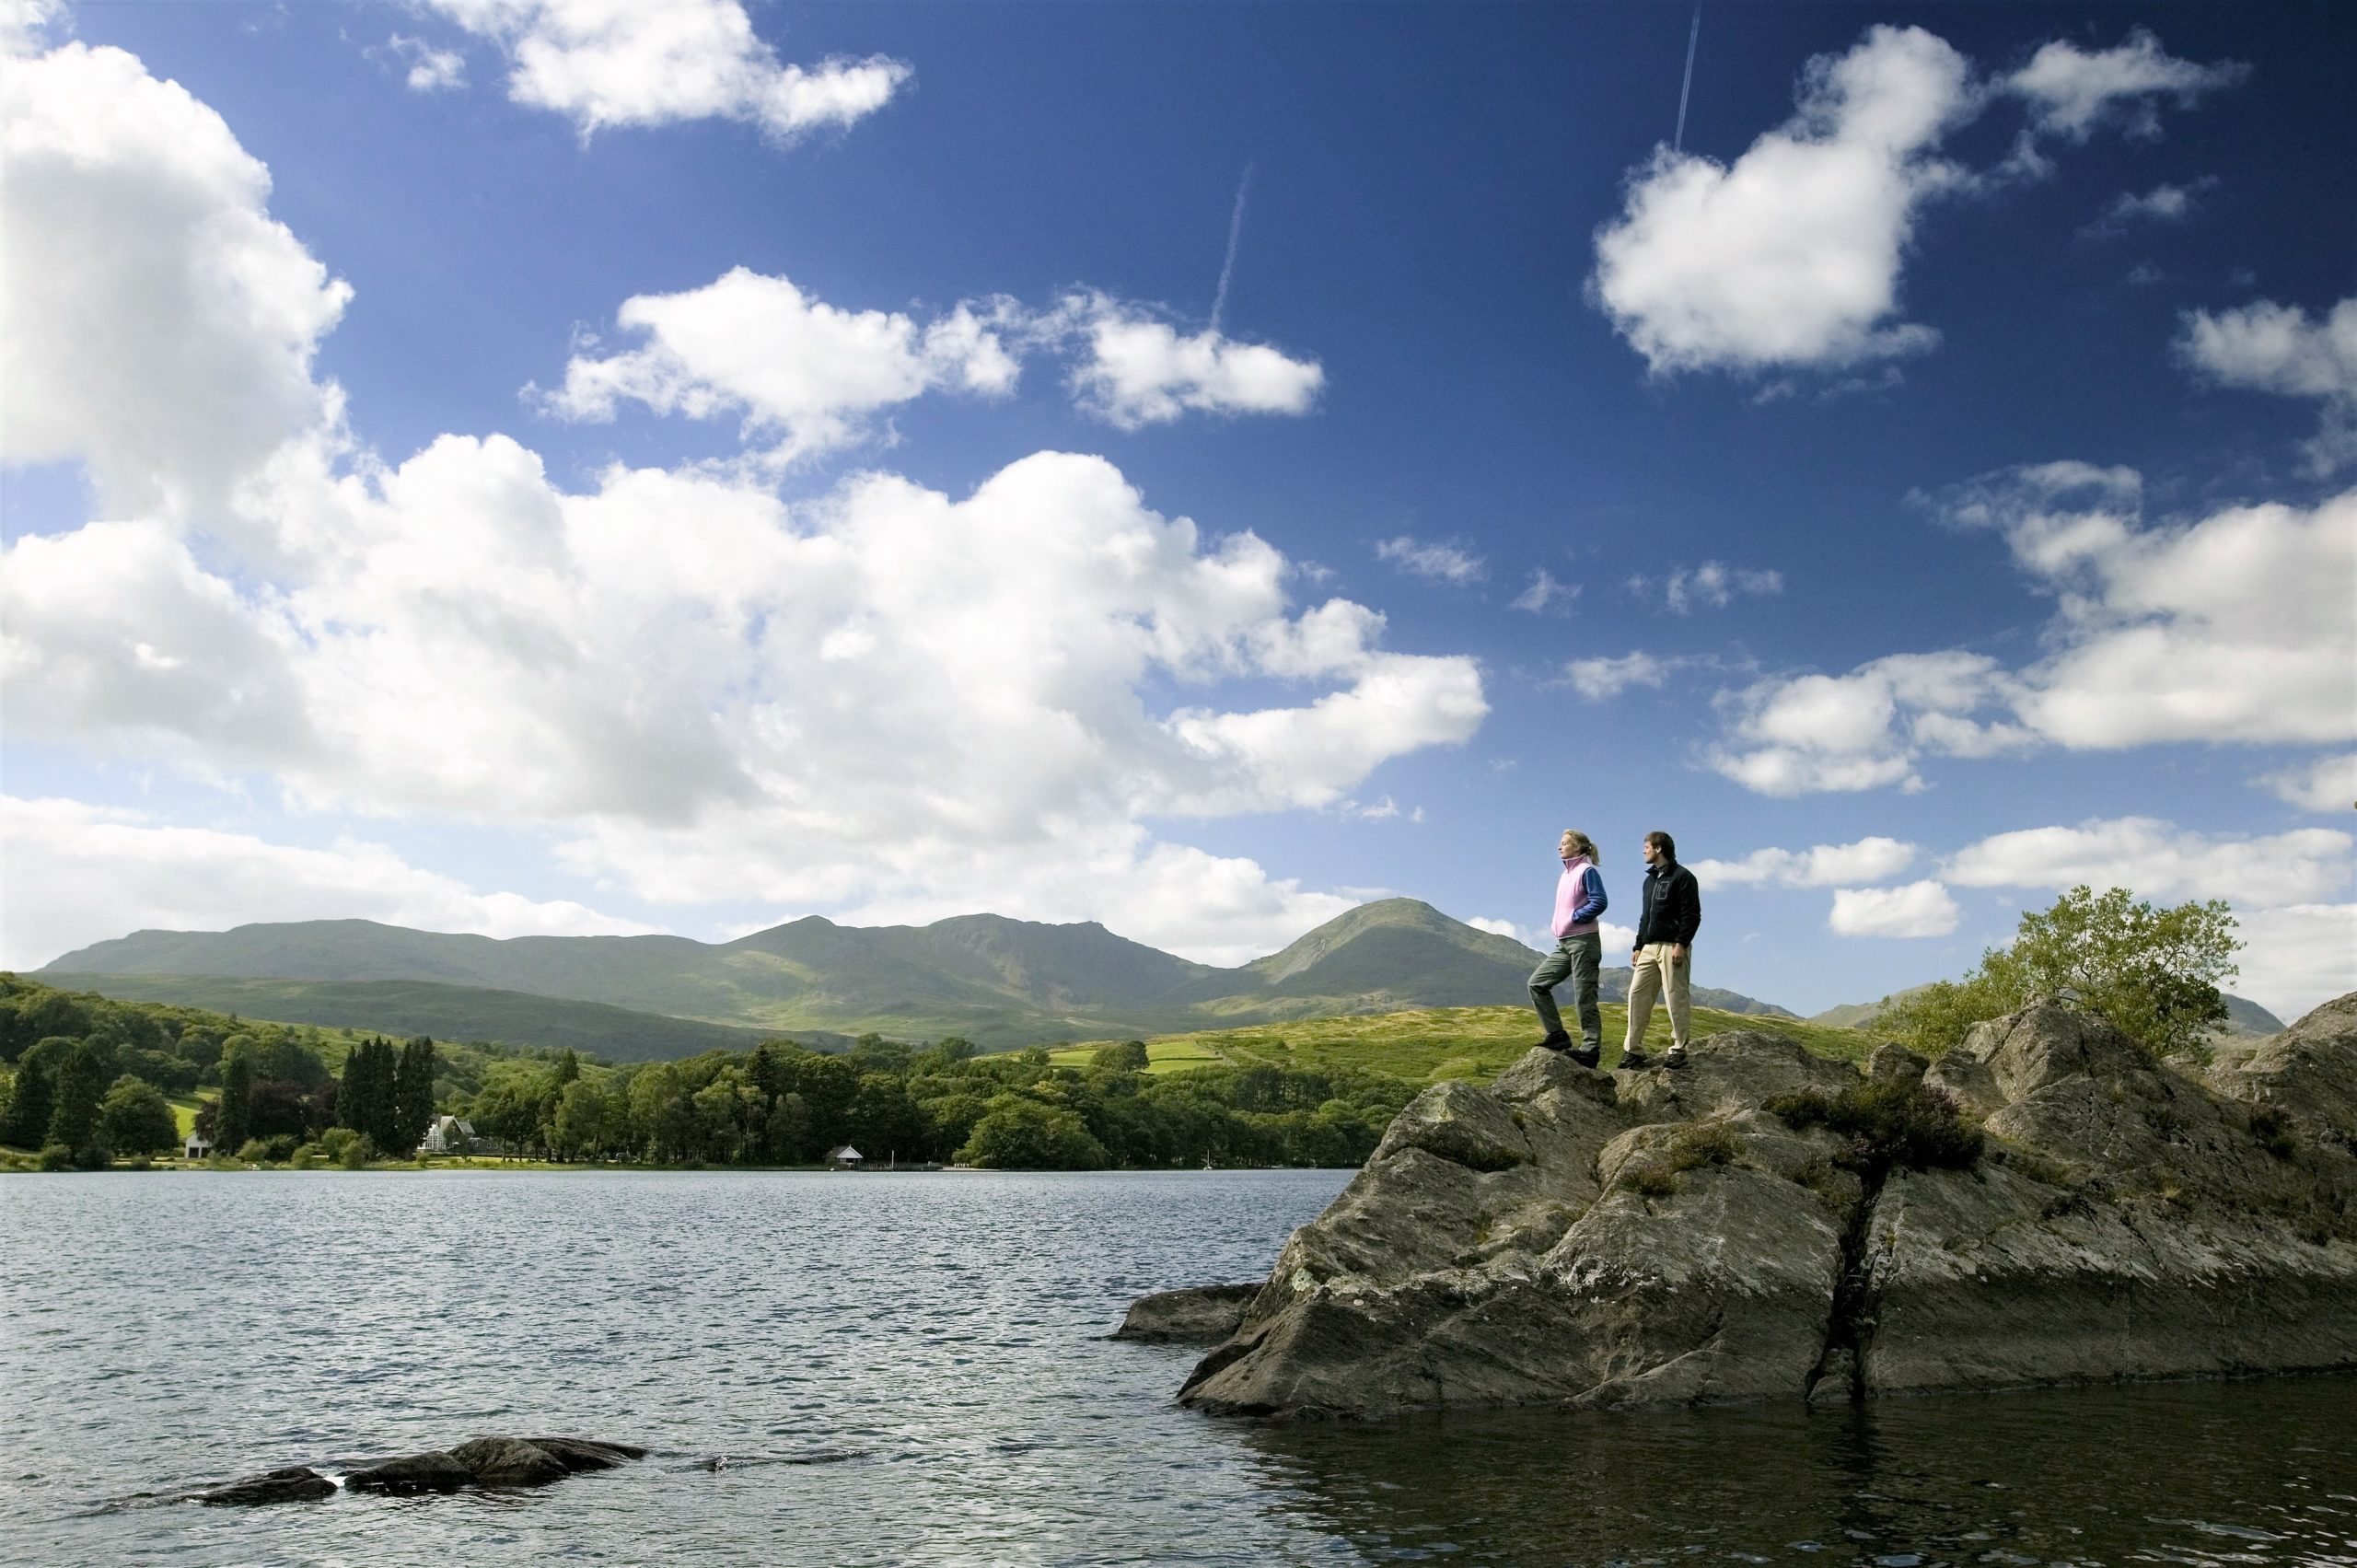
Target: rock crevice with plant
(2051, 1200)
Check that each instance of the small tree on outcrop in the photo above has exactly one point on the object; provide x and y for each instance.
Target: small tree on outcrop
(2152, 972)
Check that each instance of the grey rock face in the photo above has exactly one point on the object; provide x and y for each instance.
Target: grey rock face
(1562, 1236)
(1201, 1316)
(296, 1483)
(509, 1461)
(431, 1472)
(583, 1453)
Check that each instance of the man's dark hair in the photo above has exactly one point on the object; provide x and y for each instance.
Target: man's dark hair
(1663, 842)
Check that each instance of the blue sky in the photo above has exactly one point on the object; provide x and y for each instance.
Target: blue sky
(538, 465)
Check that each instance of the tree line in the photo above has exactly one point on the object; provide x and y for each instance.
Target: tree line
(781, 1103)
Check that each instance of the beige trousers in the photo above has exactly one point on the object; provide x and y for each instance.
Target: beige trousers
(1653, 972)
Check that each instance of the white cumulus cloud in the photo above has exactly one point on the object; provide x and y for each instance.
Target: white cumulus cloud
(2278, 348)
(2072, 91)
(159, 324)
(1543, 591)
(2159, 860)
(609, 62)
(1867, 860)
(1791, 256)
(1917, 909)
(1138, 369)
(2326, 783)
(2237, 627)
(1711, 585)
(1600, 679)
(1865, 729)
(888, 693)
(1440, 562)
(81, 874)
(787, 364)
(426, 69)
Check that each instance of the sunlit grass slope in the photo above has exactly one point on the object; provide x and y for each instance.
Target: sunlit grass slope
(1428, 1044)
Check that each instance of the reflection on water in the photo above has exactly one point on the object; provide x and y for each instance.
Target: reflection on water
(914, 1369)
(2188, 1473)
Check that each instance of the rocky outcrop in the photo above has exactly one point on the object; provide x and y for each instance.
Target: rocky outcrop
(2046, 1203)
(1203, 1315)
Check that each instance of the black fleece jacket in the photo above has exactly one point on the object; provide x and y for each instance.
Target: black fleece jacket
(1673, 906)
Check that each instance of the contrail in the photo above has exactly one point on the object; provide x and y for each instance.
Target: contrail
(1693, 36)
(1235, 233)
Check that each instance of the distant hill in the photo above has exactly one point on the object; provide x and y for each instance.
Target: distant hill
(2244, 1016)
(1000, 982)
(411, 1007)
(1429, 1044)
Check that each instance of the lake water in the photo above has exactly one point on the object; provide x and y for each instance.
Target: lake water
(911, 1368)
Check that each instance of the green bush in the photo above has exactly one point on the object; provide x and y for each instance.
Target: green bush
(1889, 1126)
(2273, 1129)
(1648, 1180)
(2152, 973)
(1713, 1143)
(55, 1157)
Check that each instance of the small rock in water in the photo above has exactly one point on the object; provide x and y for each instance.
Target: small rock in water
(432, 1471)
(1202, 1316)
(295, 1484)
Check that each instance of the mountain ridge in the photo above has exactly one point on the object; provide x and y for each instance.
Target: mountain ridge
(994, 979)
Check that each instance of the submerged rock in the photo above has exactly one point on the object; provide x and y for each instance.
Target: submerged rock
(1201, 1316)
(1567, 1237)
(295, 1484)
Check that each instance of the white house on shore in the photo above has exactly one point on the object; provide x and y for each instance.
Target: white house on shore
(845, 1158)
(197, 1146)
(448, 1135)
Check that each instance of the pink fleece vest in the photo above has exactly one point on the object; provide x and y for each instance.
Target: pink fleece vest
(1567, 898)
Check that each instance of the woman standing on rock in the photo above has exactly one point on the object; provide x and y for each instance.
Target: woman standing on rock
(1579, 904)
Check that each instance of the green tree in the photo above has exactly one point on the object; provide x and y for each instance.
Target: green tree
(30, 1107)
(2152, 972)
(1130, 1056)
(81, 1083)
(365, 1102)
(413, 1094)
(1017, 1133)
(583, 1128)
(233, 1123)
(134, 1120)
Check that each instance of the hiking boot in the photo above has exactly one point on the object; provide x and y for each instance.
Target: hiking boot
(1676, 1060)
(1558, 1040)
(1635, 1061)
(1586, 1055)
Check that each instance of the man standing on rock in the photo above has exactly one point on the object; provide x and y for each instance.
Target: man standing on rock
(1579, 903)
(1663, 961)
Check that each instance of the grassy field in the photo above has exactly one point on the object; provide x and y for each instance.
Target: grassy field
(1426, 1045)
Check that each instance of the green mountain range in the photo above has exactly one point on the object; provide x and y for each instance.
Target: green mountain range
(999, 982)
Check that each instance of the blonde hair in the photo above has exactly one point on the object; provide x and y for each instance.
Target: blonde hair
(1583, 844)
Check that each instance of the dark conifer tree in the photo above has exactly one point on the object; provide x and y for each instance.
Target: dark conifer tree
(413, 1094)
(30, 1107)
(233, 1124)
(80, 1084)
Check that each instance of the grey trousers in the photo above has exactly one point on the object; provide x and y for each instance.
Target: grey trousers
(1574, 958)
